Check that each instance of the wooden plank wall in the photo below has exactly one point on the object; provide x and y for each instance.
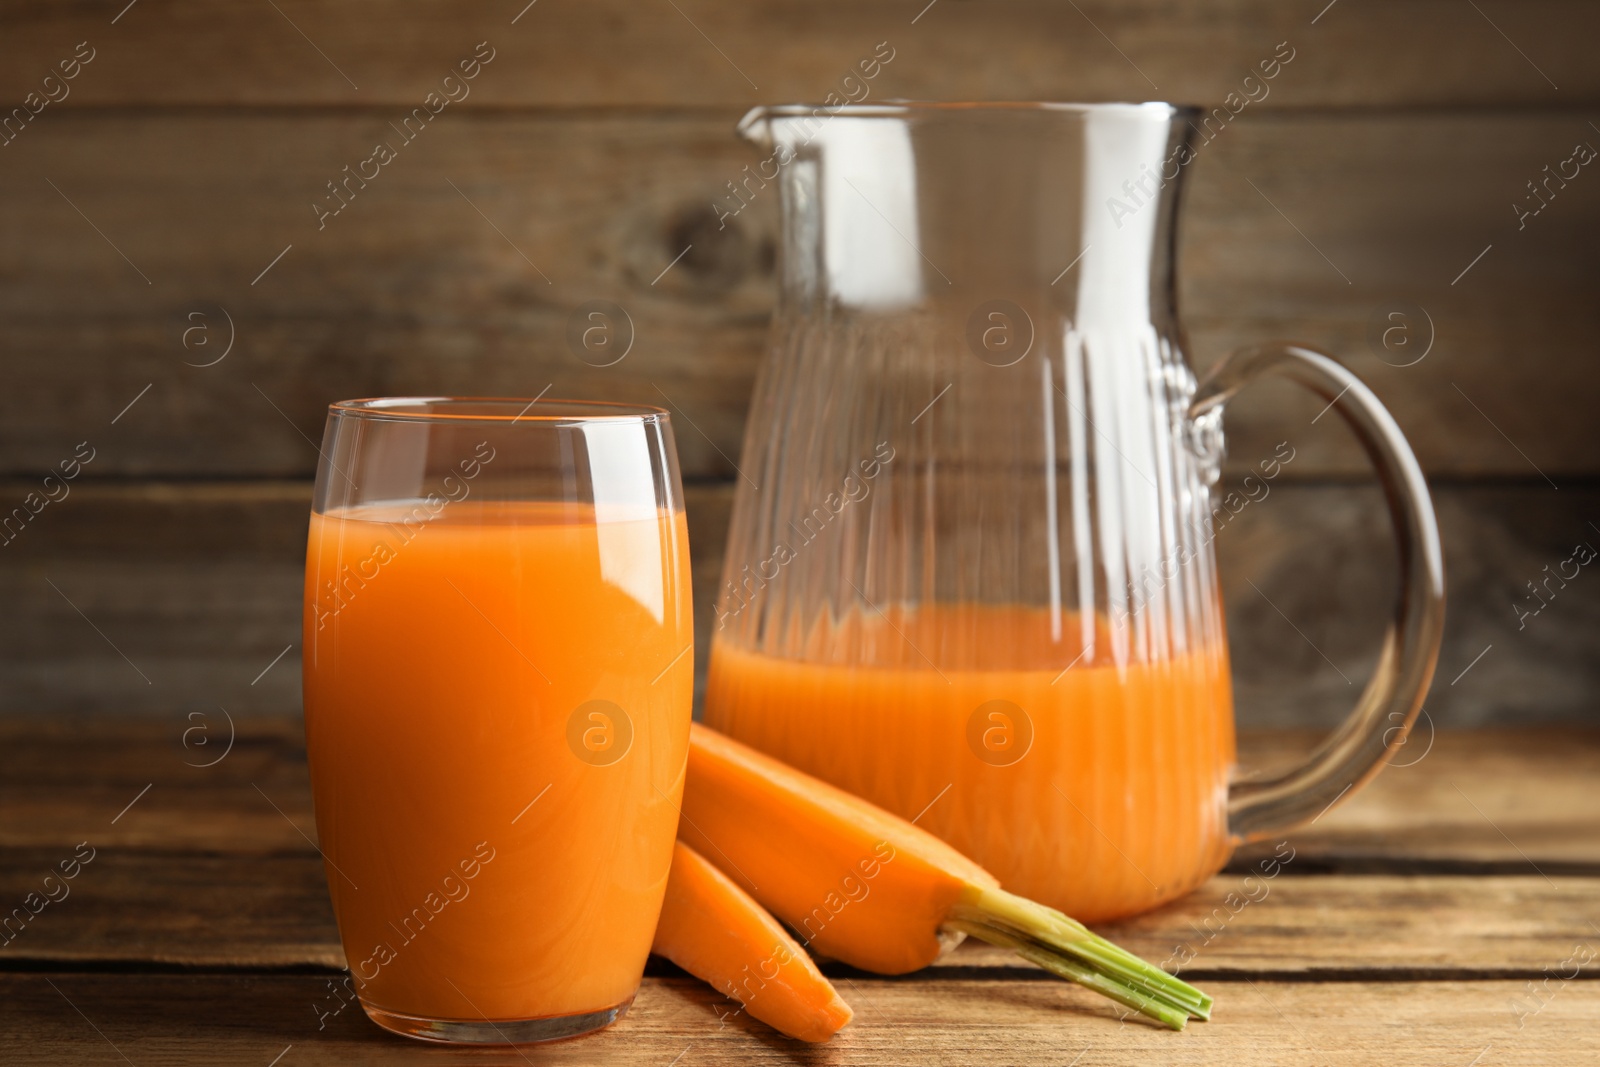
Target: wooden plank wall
(161, 207)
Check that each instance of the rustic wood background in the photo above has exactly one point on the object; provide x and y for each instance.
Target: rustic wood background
(162, 210)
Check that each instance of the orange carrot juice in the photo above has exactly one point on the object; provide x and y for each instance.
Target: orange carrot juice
(497, 703)
(1100, 790)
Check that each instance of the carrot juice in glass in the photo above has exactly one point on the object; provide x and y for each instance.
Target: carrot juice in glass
(498, 681)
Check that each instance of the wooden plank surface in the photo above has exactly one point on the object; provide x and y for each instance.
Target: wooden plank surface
(569, 53)
(410, 289)
(163, 907)
(1500, 800)
(199, 584)
(199, 931)
(80, 1019)
(166, 908)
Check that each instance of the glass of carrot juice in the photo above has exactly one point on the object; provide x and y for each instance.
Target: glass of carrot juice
(498, 680)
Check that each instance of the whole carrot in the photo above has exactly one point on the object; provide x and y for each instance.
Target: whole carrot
(864, 886)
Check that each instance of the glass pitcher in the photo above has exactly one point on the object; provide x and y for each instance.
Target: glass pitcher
(969, 573)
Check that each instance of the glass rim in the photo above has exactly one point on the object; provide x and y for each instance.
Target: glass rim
(512, 410)
(900, 108)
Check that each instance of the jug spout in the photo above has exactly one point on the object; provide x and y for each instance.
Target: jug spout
(755, 128)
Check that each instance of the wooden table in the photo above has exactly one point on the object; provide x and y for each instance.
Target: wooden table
(1446, 915)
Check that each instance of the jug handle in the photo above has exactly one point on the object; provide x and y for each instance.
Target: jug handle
(1389, 705)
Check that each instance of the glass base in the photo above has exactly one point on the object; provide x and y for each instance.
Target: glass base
(498, 1031)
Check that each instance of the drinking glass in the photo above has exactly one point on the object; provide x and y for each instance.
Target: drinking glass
(498, 686)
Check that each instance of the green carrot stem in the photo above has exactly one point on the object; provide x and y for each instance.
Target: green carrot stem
(1038, 922)
(1053, 961)
(1046, 931)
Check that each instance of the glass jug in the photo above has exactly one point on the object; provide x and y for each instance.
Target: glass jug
(969, 572)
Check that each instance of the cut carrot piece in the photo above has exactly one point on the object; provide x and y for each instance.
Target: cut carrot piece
(864, 886)
(715, 931)
(856, 882)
